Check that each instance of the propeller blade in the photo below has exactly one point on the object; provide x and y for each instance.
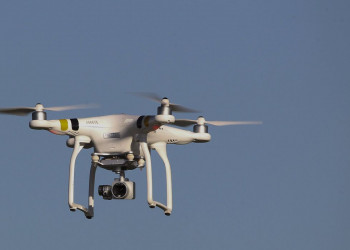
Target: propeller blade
(182, 109)
(226, 123)
(148, 95)
(71, 107)
(21, 111)
(187, 122)
(174, 107)
(184, 122)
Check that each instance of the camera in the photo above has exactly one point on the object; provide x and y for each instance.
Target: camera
(120, 189)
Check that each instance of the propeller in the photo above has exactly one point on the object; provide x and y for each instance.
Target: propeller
(165, 101)
(202, 121)
(22, 111)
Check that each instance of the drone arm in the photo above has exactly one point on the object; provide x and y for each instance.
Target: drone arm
(44, 124)
(80, 141)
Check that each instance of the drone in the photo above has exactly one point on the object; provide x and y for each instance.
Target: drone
(121, 143)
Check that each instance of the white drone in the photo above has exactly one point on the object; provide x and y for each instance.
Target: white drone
(122, 142)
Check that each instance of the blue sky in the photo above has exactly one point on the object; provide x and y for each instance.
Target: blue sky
(280, 185)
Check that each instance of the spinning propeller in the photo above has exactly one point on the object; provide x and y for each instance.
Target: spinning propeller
(22, 111)
(202, 121)
(186, 122)
(165, 102)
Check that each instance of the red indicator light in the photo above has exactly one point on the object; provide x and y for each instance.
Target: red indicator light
(56, 132)
(155, 127)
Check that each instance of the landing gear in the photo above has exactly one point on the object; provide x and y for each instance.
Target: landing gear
(121, 188)
(115, 163)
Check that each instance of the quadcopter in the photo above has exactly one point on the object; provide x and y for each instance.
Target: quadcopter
(122, 142)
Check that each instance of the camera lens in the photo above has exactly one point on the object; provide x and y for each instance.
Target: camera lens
(105, 192)
(119, 190)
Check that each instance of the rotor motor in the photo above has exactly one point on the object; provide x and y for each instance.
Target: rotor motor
(39, 115)
(200, 128)
(164, 108)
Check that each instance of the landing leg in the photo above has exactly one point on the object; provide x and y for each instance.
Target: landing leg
(80, 141)
(152, 203)
(145, 150)
(161, 149)
(94, 161)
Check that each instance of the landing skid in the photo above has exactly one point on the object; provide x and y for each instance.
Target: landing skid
(118, 163)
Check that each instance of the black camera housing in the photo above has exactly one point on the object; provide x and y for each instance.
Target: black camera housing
(124, 189)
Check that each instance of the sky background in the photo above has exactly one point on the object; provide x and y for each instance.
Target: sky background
(280, 185)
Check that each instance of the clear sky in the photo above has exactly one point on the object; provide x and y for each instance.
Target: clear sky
(280, 185)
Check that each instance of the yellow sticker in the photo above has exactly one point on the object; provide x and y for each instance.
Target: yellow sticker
(64, 124)
(146, 121)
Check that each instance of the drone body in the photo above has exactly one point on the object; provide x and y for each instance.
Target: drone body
(117, 134)
(121, 142)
